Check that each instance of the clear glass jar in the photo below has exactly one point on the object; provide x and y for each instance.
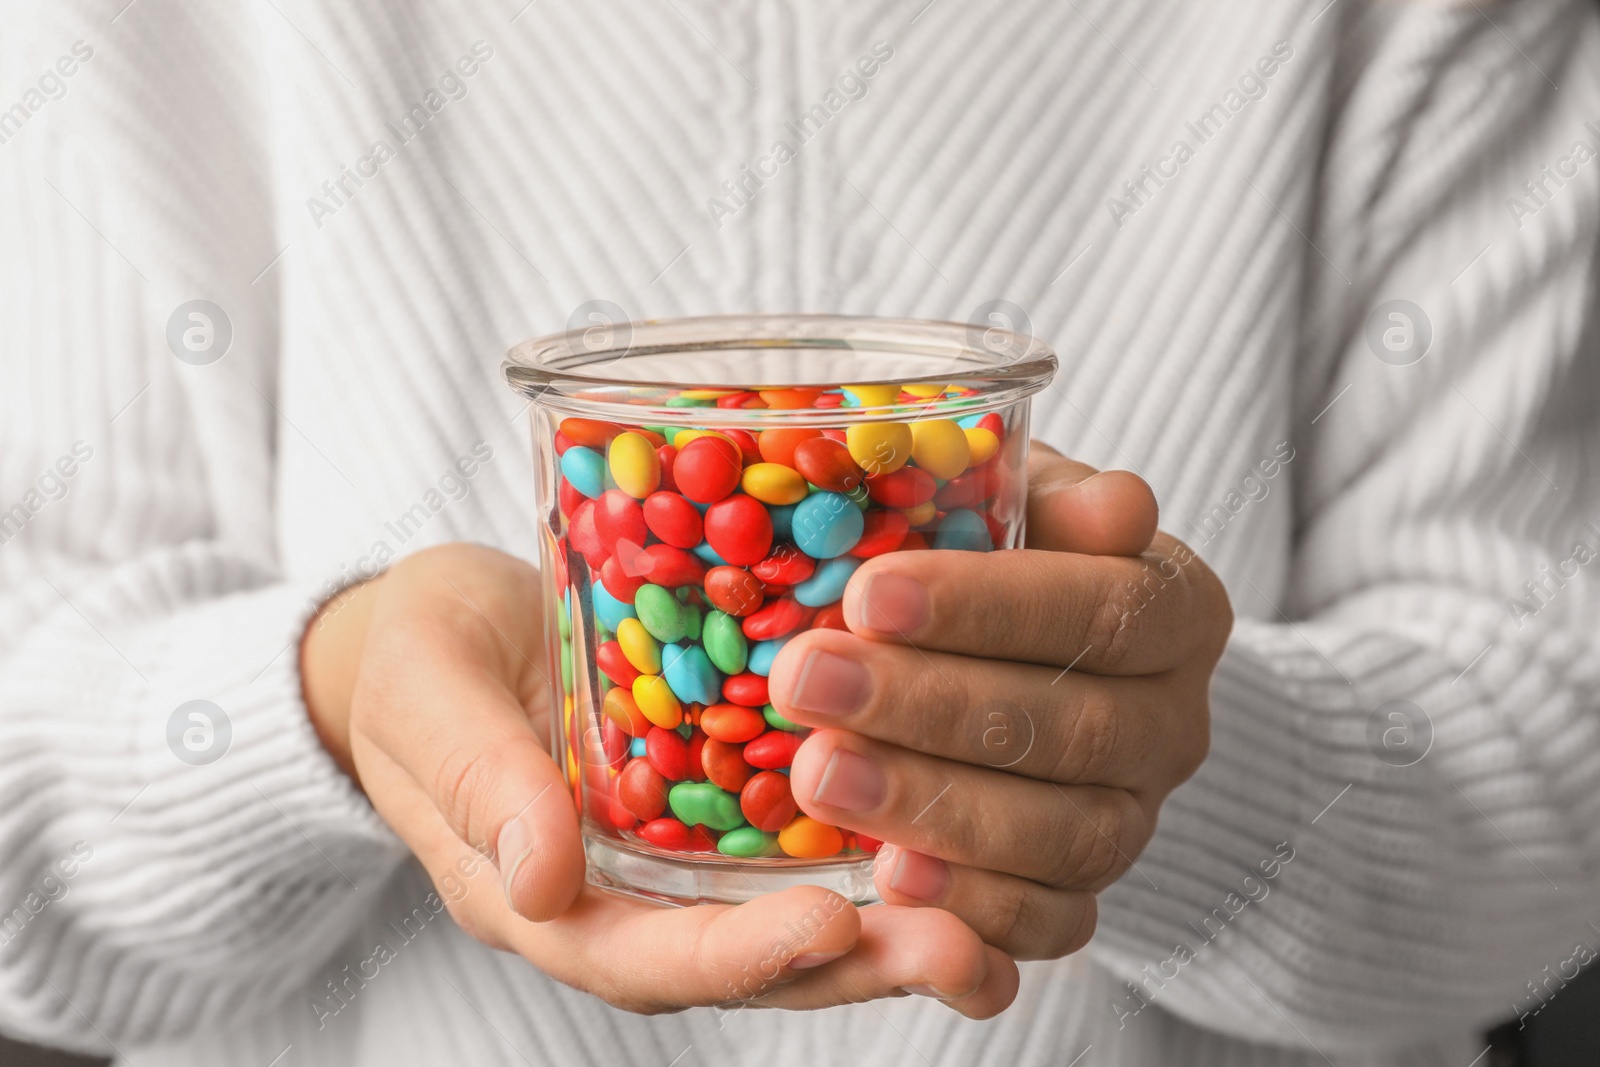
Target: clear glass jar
(707, 487)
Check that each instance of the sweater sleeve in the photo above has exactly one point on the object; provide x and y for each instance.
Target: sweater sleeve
(175, 845)
(1397, 833)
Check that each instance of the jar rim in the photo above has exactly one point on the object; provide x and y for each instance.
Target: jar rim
(562, 371)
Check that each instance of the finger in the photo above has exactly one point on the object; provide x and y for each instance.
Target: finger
(468, 743)
(1036, 721)
(1072, 507)
(1098, 614)
(1026, 920)
(1070, 837)
(926, 952)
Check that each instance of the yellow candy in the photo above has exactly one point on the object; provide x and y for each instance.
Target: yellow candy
(939, 447)
(879, 447)
(639, 648)
(983, 444)
(706, 394)
(806, 838)
(635, 467)
(924, 391)
(874, 396)
(656, 699)
(922, 514)
(773, 483)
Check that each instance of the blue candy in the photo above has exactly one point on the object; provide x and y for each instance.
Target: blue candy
(826, 525)
(762, 653)
(965, 530)
(827, 583)
(708, 554)
(636, 748)
(607, 608)
(585, 469)
(689, 673)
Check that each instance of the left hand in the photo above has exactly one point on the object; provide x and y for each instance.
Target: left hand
(1010, 723)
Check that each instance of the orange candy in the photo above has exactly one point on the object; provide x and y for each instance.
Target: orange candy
(806, 838)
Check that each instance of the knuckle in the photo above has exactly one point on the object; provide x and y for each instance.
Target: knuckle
(460, 790)
(1110, 630)
(1091, 856)
(1012, 919)
(1072, 936)
(1088, 752)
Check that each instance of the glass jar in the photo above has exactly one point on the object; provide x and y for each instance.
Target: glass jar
(707, 486)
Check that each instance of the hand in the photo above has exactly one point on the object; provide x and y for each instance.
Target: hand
(427, 684)
(1011, 722)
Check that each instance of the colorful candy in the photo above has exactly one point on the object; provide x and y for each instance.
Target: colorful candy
(697, 552)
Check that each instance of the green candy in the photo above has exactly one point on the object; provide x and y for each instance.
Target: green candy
(778, 722)
(686, 402)
(747, 841)
(725, 643)
(663, 617)
(704, 803)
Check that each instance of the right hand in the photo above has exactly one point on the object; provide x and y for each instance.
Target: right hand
(428, 685)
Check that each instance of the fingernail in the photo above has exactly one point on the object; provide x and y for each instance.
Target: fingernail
(851, 782)
(809, 960)
(830, 684)
(893, 604)
(919, 876)
(516, 842)
(925, 991)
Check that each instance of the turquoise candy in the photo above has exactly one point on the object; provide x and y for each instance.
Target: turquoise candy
(782, 520)
(690, 675)
(708, 554)
(964, 530)
(607, 608)
(636, 748)
(967, 422)
(826, 525)
(827, 582)
(762, 653)
(778, 722)
(705, 804)
(585, 469)
(663, 616)
(747, 841)
(725, 643)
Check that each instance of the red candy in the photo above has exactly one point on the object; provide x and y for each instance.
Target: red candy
(671, 834)
(733, 590)
(749, 450)
(785, 565)
(708, 469)
(739, 528)
(825, 462)
(617, 518)
(569, 497)
(830, 617)
(747, 689)
(697, 744)
(614, 665)
(767, 801)
(773, 750)
(668, 753)
(724, 765)
(778, 617)
(668, 456)
(885, 531)
(642, 790)
(590, 433)
(673, 519)
(904, 488)
(581, 534)
(618, 582)
(968, 490)
(670, 567)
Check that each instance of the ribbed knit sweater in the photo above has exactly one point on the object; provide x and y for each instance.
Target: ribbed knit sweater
(1207, 208)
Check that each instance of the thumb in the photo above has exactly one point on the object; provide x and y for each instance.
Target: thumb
(1072, 507)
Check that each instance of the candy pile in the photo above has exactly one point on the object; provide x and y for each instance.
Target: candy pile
(701, 553)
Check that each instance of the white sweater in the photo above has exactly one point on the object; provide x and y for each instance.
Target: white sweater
(168, 525)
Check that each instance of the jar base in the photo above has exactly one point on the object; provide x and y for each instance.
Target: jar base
(615, 866)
